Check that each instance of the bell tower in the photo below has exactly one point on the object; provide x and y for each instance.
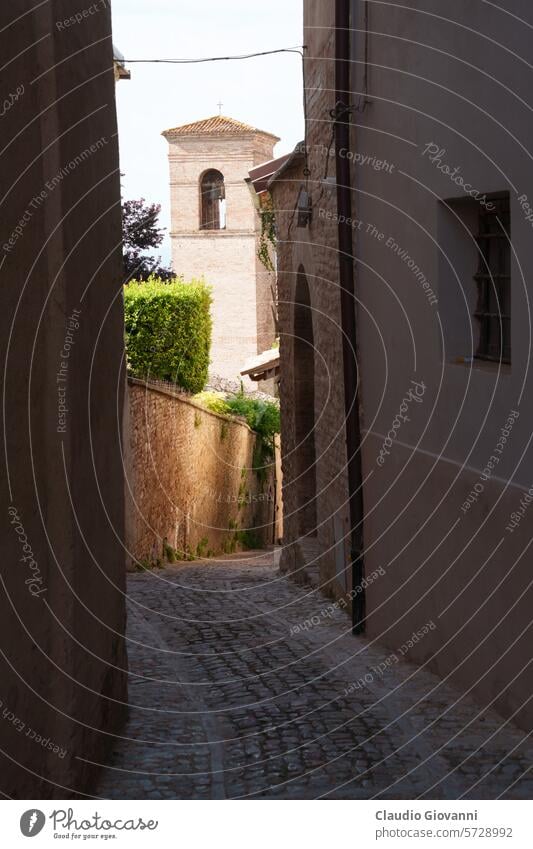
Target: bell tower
(215, 232)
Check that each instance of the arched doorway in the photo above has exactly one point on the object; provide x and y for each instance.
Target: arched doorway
(304, 408)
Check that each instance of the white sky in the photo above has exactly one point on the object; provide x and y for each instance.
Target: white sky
(264, 92)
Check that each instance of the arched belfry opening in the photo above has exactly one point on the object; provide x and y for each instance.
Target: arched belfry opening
(212, 201)
(304, 407)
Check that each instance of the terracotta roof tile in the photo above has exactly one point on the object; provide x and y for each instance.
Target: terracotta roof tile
(217, 125)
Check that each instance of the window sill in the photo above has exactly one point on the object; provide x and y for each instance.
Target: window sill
(210, 234)
(482, 365)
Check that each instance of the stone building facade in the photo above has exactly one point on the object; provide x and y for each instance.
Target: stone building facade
(443, 370)
(62, 609)
(215, 232)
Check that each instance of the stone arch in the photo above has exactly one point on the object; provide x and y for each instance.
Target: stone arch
(304, 407)
(212, 200)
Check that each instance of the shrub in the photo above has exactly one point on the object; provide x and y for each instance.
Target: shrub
(168, 331)
(213, 401)
(263, 417)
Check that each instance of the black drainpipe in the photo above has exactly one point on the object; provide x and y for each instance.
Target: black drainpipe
(347, 290)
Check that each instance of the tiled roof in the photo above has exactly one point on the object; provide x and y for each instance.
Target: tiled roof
(217, 125)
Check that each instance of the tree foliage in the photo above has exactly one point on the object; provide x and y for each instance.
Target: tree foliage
(168, 331)
(140, 233)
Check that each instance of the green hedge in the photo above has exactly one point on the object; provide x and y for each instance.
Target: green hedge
(168, 331)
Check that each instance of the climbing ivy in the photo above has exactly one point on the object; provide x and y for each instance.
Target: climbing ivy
(267, 239)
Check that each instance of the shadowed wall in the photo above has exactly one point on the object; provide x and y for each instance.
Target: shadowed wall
(62, 611)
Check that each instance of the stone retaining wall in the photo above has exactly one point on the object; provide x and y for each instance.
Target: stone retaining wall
(190, 480)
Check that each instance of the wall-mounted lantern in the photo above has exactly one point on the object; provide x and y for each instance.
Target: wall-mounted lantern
(305, 208)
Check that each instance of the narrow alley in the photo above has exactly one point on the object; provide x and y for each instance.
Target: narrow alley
(245, 685)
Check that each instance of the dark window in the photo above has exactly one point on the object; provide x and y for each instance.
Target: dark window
(493, 309)
(212, 201)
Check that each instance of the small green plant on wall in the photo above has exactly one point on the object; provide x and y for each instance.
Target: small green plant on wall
(201, 547)
(171, 555)
(146, 564)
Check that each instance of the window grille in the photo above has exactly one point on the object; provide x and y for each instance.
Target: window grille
(493, 278)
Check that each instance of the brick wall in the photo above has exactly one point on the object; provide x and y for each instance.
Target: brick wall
(190, 479)
(227, 263)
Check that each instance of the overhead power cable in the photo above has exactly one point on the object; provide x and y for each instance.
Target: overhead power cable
(298, 50)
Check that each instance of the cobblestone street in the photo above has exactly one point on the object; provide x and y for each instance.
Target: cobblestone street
(227, 702)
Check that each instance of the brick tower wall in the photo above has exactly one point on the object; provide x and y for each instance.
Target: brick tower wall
(227, 259)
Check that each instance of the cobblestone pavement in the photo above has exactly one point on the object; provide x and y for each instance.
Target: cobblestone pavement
(227, 702)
